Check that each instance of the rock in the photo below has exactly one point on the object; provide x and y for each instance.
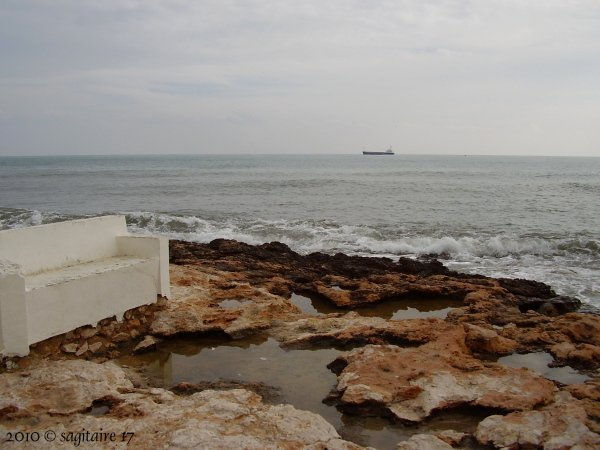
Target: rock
(121, 337)
(423, 442)
(59, 394)
(556, 426)
(61, 387)
(351, 328)
(484, 341)
(580, 355)
(549, 306)
(146, 344)
(194, 306)
(82, 349)
(70, 348)
(410, 383)
(204, 274)
(451, 437)
(588, 394)
(95, 347)
(87, 333)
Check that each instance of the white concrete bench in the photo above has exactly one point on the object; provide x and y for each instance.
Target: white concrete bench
(60, 276)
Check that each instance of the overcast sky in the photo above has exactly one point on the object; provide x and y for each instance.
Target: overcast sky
(258, 76)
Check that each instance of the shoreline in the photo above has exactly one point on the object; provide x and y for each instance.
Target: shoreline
(486, 319)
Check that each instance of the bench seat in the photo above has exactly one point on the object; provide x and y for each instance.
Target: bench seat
(66, 274)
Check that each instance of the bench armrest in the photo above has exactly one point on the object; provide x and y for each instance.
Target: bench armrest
(149, 247)
(14, 337)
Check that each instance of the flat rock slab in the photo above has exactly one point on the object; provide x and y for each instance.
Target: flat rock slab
(559, 425)
(60, 387)
(195, 306)
(353, 329)
(410, 383)
(60, 392)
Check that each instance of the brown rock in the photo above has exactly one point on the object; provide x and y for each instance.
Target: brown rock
(121, 337)
(61, 387)
(556, 426)
(70, 348)
(82, 349)
(451, 437)
(485, 341)
(410, 383)
(146, 344)
(583, 355)
(95, 347)
(423, 442)
(59, 394)
(87, 333)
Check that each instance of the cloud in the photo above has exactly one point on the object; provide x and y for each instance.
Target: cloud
(466, 76)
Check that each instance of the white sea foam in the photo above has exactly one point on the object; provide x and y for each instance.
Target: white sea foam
(567, 263)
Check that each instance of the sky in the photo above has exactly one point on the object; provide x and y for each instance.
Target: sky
(518, 77)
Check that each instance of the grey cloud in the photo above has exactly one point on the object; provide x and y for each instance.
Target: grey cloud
(443, 76)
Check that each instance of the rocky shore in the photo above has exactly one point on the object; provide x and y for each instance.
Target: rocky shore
(405, 369)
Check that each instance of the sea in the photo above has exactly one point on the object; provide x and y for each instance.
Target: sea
(502, 216)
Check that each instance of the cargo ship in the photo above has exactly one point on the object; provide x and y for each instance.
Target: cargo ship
(387, 152)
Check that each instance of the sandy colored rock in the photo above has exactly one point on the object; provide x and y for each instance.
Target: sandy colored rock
(576, 354)
(451, 437)
(559, 425)
(352, 328)
(588, 394)
(195, 308)
(61, 387)
(146, 344)
(95, 347)
(158, 418)
(82, 349)
(485, 341)
(70, 348)
(410, 383)
(87, 333)
(423, 442)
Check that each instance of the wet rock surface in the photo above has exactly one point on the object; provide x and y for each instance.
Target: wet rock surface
(157, 418)
(561, 424)
(389, 364)
(411, 383)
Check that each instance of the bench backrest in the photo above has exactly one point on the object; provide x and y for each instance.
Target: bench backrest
(61, 244)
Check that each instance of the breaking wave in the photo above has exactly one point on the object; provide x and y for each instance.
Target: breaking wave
(568, 263)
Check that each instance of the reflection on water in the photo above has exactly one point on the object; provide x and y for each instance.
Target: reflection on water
(539, 361)
(403, 308)
(300, 376)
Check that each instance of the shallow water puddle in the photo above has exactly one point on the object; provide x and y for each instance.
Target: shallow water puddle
(540, 361)
(404, 308)
(300, 377)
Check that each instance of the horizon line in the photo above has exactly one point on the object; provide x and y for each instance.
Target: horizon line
(55, 155)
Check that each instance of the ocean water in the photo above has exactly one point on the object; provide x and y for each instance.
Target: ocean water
(527, 217)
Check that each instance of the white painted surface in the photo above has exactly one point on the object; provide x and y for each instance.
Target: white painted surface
(64, 275)
(55, 245)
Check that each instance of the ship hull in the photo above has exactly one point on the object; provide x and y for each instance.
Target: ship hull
(377, 153)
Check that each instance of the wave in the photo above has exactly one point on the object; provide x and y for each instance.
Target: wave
(327, 236)
(569, 263)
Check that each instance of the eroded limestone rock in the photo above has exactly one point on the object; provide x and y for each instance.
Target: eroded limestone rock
(559, 425)
(410, 383)
(195, 308)
(60, 387)
(59, 393)
(423, 441)
(353, 329)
